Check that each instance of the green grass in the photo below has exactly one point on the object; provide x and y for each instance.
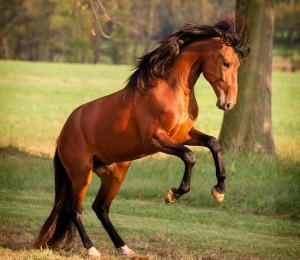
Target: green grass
(259, 218)
(148, 225)
(286, 121)
(43, 95)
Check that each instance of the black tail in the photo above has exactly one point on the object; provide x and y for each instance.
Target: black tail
(59, 224)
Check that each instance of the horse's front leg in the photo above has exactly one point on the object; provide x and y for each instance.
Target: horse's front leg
(199, 139)
(166, 144)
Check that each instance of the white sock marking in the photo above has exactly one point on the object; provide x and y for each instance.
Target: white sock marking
(93, 252)
(125, 250)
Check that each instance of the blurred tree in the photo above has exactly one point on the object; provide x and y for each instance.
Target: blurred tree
(25, 29)
(248, 128)
(95, 30)
(60, 28)
(9, 12)
(287, 24)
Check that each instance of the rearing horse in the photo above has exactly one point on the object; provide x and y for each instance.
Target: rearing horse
(155, 112)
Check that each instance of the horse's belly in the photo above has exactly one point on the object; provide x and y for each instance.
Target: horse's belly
(114, 147)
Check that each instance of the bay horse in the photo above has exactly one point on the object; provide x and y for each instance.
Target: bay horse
(155, 112)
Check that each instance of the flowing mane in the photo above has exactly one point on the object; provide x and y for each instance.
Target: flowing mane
(155, 64)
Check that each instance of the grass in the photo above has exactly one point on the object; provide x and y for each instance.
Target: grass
(177, 231)
(49, 94)
(259, 218)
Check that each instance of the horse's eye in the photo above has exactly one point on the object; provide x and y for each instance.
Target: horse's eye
(226, 64)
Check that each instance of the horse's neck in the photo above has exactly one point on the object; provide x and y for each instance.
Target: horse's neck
(185, 72)
(188, 65)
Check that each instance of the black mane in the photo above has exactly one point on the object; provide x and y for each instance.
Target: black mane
(155, 64)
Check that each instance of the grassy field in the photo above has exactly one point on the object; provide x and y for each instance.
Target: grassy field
(259, 218)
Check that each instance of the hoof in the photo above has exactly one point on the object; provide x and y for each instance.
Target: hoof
(93, 252)
(126, 251)
(170, 196)
(218, 197)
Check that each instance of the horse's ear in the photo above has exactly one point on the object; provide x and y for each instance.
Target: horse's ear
(225, 40)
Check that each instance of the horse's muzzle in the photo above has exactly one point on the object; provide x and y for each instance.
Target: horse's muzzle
(226, 106)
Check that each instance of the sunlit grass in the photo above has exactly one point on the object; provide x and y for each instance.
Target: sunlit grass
(286, 119)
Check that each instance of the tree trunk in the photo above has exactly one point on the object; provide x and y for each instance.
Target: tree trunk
(150, 20)
(248, 128)
(292, 40)
(5, 48)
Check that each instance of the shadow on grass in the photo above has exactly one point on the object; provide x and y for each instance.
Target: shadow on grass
(17, 243)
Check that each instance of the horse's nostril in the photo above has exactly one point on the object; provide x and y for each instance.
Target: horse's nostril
(228, 106)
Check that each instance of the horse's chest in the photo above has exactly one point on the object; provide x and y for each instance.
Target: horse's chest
(179, 131)
(178, 122)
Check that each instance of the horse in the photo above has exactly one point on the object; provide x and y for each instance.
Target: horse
(154, 112)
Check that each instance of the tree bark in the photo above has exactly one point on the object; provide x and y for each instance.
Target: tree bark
(149, 27)
(248, 128)
(5, 48)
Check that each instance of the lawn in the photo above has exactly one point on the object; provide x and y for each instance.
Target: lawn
(259, 218)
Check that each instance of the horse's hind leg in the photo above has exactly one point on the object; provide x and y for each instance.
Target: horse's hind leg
(81, 179)
(111, 180)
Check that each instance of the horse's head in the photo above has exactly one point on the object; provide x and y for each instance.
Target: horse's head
(220, 68)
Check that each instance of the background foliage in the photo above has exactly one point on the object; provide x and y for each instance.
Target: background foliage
(53, 30)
